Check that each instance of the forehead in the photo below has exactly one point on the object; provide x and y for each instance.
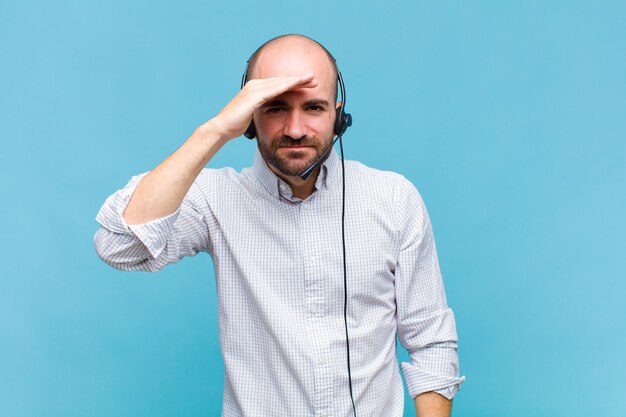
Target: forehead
(295, 58)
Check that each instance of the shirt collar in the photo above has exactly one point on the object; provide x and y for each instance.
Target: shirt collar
(277, 187)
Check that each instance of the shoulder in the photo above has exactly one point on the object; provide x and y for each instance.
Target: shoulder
(377, 180)
(220, 186)
(211, 183)
(387, 189)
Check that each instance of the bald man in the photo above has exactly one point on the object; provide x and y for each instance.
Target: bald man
(277, 248)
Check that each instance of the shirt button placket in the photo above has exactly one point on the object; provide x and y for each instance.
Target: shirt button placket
(314, 280)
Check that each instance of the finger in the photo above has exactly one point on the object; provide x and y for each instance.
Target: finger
(261, 90)
(291, 86)
(284, 82)
(293, 83)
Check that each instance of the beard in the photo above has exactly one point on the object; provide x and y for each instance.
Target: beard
(292, 162)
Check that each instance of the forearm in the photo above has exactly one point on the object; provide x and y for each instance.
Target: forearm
(161, 191)
(431, 404)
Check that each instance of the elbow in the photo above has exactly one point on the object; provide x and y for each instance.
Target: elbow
(123, 252)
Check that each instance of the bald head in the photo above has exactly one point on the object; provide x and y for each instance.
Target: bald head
(291, 55)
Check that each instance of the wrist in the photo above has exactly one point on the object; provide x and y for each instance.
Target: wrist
(213, 131)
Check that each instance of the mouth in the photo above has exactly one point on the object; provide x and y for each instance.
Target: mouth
(295, 148)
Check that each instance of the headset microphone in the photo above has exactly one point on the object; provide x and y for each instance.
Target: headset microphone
(307, 172)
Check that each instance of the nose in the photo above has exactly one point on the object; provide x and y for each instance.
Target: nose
(295, 126)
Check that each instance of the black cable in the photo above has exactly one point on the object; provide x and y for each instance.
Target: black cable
(345, 274)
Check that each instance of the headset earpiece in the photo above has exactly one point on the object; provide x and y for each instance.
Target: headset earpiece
(250, 132)
(342, 121)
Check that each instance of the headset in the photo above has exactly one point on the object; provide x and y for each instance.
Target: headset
(343, 120)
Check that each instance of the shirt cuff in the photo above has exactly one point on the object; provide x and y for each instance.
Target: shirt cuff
(419, 381)
(153, 234)
(450, 391)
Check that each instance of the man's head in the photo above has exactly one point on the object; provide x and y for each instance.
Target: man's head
(295, 128)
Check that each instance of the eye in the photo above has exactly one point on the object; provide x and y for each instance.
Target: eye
(315, 108)
(275, 109)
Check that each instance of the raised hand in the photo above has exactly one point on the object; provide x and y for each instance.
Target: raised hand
(233, 120)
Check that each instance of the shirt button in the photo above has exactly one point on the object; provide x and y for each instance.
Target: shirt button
(312, 258)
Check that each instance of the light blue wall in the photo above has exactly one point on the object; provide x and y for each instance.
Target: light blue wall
(509, 116)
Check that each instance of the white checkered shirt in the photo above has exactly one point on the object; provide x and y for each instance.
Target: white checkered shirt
(279, 271)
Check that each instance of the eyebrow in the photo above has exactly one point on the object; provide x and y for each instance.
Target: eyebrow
(275, 103)
(283, 103)
(317, 102)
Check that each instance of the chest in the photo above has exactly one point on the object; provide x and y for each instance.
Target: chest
(296, 250)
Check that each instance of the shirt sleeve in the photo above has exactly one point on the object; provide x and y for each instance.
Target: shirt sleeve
(152, 245)
(426, 326)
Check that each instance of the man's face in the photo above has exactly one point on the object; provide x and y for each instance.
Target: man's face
(296, 128)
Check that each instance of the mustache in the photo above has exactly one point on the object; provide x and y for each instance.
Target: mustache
(289, 141)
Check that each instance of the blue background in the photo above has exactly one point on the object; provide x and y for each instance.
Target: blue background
(509, 116)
